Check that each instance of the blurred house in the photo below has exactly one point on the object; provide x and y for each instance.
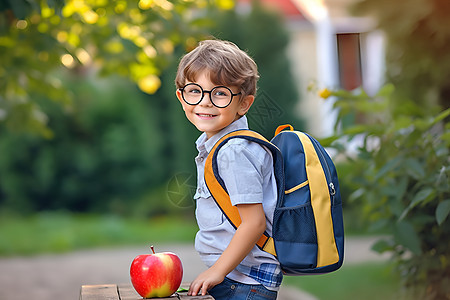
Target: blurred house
(329, 48)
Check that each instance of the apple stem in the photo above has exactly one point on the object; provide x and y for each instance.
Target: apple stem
(153, 249)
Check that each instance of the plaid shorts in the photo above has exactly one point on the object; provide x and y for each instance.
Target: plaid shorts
(269, 275)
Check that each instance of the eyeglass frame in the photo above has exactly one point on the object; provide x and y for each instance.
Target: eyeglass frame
(208, 92)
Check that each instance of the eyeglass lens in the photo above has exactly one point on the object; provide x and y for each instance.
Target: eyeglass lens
(220, 96)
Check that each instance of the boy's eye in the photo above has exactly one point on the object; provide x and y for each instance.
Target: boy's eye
(193, 90)
(221, 92)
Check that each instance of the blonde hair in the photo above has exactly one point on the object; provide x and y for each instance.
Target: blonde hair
(226, 63)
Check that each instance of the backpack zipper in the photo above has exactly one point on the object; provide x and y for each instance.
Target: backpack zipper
(332, 189)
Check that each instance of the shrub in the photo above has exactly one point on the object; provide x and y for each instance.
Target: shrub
(401, 166)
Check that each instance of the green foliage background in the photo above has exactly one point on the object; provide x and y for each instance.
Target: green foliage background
(400, 178)
(113, 148)
(131, 38)
(418, 47)
(401, 173)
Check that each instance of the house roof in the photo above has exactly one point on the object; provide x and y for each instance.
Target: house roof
(286, 7)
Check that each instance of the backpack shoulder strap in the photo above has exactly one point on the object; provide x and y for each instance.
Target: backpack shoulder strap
(218, 190)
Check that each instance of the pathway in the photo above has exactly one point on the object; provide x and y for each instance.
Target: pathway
(60, 276)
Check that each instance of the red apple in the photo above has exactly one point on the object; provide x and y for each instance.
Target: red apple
(157, 274)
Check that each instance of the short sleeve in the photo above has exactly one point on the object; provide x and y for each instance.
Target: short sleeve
(241, 165)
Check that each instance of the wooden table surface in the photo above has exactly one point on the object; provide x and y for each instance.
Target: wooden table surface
(125, 292)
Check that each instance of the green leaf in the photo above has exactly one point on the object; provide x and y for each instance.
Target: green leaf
(202, 22)
(379, 225)
(386, 90)
(422, 124)
(402, 186)
(389, 166)
(423, 195)
(442, 115)
(406, 236)
(382, 246)
(415, 168)
(401, 122)
(326, 142)
(356, 129)
(344, 94)
(356, 194)
(371, 106)
(442, 211)
(446, 136)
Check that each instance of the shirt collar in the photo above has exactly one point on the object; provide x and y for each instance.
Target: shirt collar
(208, 144)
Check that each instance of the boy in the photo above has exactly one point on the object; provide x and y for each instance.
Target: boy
(216, 86)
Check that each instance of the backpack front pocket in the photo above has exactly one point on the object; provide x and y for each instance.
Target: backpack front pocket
(295, 236)
(298, 195)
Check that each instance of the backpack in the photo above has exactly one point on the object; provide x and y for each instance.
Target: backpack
(307, 230)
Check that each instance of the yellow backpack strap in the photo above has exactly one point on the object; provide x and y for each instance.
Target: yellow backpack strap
(218, 190)
(327, 253)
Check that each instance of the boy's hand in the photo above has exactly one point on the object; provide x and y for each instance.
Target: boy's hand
(205, 281)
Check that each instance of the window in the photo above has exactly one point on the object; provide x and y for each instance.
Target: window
(349, 60)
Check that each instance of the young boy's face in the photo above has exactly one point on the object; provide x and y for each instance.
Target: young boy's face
(209, 118)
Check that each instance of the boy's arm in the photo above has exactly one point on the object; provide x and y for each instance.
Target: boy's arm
(247, 234)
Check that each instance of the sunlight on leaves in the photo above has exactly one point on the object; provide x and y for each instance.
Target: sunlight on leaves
(90, 17)
(68, 61)
(225, 4)
(131, 38)
(149, 84)
(83, 56)
(145, 4)
(114, 46)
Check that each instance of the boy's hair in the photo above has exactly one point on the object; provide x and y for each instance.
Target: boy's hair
(226, 63)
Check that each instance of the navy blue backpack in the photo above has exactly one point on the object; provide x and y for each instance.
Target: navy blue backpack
(307, 232)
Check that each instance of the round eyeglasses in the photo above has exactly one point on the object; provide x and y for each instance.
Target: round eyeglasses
(221, 96)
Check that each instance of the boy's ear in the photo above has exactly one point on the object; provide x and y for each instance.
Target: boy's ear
(178, 93)
(245, 104)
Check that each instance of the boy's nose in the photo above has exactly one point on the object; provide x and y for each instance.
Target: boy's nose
(206, 98)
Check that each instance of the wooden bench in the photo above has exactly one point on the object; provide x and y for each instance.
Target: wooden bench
(125, 292)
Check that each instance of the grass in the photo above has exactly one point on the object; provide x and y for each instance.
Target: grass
(62, 232)
(368, 281)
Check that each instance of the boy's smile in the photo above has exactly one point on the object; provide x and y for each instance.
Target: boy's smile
(205, 116)
(209, 118)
